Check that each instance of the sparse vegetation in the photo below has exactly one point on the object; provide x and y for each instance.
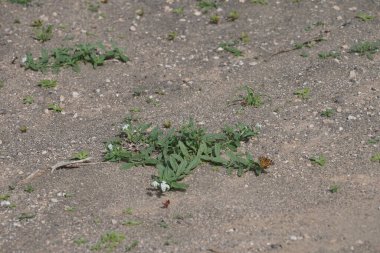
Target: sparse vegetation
(318, 159)
(231, 48)
(133, 245)
(131, 223)
(244, 38)
(83, 154)
(29, 189)
(26, 216)
(23, 129)
(330, 54)
(80, 241)
(262, 2)
(55, 108)
(24, 2)
(366, 48)
(364, 17)
(46, 83)
(250, 98)
(43, 33)
(109, 241)
(232, 16)
(171, 36)
(375, 157)
(178, 10)
(328, 113)
(93, 7)
(206, 5)
(334, 188)
(28, 100)
(303, 93)
(214, 19)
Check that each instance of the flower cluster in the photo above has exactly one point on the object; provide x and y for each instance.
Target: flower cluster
(163, 185)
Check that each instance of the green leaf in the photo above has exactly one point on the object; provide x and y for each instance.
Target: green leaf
(127, 166)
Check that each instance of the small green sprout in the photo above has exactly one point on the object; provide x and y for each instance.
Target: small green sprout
(28, 100)
(319, 160)
(214, 19)
(262, 2)
(23, 129)
(364, 17)
(46, 83)
(303, 93)
(93, 7)
(374, 140)
(163, 224)
(55, 108)
(171, 36)
(24, 2)
(206, 5)
(178, 11)
(244, 38)
(330, 54)
(334, 188)
(29, 189)
(232, 16)
(44, 33)
(109, 241)
(328, 113)
(128, 211)
(375, 157)
(80, 155)
(80, 241)
(251, 98)
(230, 47)
(4, 197)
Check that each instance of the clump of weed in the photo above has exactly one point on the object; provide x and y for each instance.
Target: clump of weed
(178, 10)
(79, 241)
(206, 5)
(83, 154)
(244, 38)
(26, 216)
(28, 100)
(303, 93)
(176, 152)
(95, 54)
(318, 159)
(364, 17)
(232, 16)
(29, 189)
(109, 241)
(214, 19)
(328, 113)
(250, 98)
(44, 33)
(171, 36)
(93, 7)
(334, 188)
(262, 2)
(231, 48)
(55, 108)
(46, 83)
(24, 2)
(367, 48)
(375, 157)
(330, 54)
(4, 197)
(37, 23)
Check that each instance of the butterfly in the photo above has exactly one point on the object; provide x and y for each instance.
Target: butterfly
(265, 162)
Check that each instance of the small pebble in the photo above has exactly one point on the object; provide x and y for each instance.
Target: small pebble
(132, 28)
(54, 200)
(350, 117)
(114, 222)
(336, 7)
(5, 203)
(75, 94)
(293, 238)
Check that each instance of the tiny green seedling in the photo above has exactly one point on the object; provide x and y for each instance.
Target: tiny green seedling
(29, 189)
(318, 160)
(261, 2)
(251, 98)
(303, 93)
(232, 16)
(330, 54)
(4, 197)
(375, 157)
(171, 36)
(131, 223)
(133, 245)
(328, 113)
(93, 7)
(55, 108)
(178, 11)
(44, 33)
(206, 5)
(28, 100)
(364, 17)
(128, 211)
(46, 83)
(214, 19)
(334, 188)
(23, 129)
(109, 241)
(80, 241)
(244, 38)
(83, 154)
(230, 47)
(26, 216)
(367, 48)
(24, 2)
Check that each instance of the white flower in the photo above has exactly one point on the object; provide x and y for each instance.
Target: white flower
(155, 184)
(125, 127)
(110, 147)
(164, 186)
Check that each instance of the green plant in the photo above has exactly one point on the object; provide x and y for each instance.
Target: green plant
(44, 33)
(303, 93)
(330, 54)
(4, 197)
(55, 108)
(374, 140)
(244, 38)
(1, 84)
(366, 48)
(251, 98)
(171, 36)
(163, 224)
(214, 19)
(133, 245)
(26, 216)
(177, 152)
(109, 241)
(304, 54)
(262, 2)
(37, 23)
(128, 211)
(29, 189)
(46, 83)
(24, 2)
(206, 5)
(178, 11)
(319, 160)
(230, 47)
(28, 100)
(131, 223)
(93, 7)
(233, 15)
(80, 241)
(23, 129)
(83, 154)
(328, 113)
(364, 17)
(334, 188)
(375, 157)
(95, 54)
